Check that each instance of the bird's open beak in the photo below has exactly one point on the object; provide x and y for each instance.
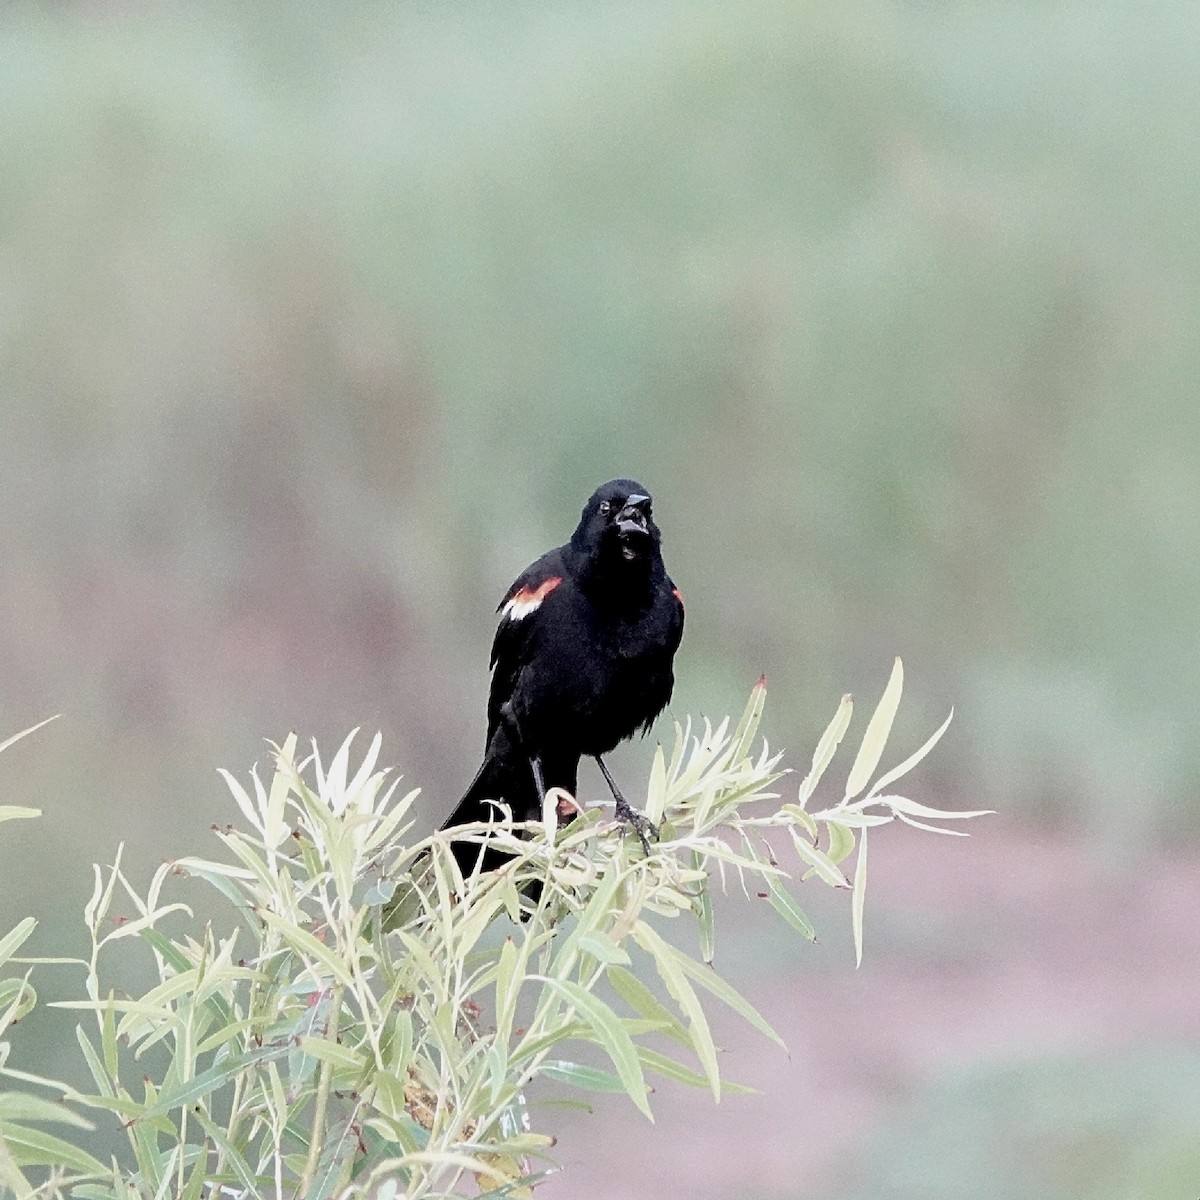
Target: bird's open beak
(631, 520)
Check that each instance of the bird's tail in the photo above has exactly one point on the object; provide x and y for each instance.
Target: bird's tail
(505, 775)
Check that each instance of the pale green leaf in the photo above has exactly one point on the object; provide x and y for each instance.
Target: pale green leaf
(12, 941)
(782, 902)
(681, 992)
(234, 1159)
(18, 812)
(708, 979)
(248, 807)
(591, 1078)
(902, 805)
(702, 903)
(858, 900)
(670, 1069)
(932, 828)
(610, 1034)
(644, 1002)
(21, 1106)
(339, 1056)
(308, 946)
(129, 928)
(16, 737)
(656, 791)
(841, 841)
(912, 760)
(201, 1085)
(875, 738)
(603, 949)
(818, 861)
(285, 765)
(747, 726)
(826, 748)
(99, 1074)
(36, 1148)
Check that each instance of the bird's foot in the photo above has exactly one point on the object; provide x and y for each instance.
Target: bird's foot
(637, 821)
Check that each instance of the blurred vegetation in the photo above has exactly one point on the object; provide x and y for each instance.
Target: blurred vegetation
(318, 322)
(1118, 1128)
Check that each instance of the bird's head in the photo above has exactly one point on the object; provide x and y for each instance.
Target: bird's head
(617, 523)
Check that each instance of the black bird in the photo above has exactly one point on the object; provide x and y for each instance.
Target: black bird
(582, 659)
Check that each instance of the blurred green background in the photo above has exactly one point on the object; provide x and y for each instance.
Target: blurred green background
(318, 322)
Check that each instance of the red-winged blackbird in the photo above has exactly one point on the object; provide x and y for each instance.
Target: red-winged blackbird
(581, 660)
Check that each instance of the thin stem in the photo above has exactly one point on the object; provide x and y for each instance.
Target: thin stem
(316, 1141)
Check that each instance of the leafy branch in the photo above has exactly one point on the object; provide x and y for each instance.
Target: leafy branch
(377, 1025)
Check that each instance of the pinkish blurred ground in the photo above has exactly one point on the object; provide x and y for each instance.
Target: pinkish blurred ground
(1001, 947)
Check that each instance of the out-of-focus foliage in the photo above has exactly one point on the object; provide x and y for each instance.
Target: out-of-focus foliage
(318, 322)
(361, 1032)
(1060, 1129)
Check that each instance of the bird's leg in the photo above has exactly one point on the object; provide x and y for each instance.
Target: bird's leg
(624, 811)
(535, 765)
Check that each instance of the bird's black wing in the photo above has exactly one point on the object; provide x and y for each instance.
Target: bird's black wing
(520, 615)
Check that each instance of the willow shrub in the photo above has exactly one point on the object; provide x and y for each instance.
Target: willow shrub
(369, 1023)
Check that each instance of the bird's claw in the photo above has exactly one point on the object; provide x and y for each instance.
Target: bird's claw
(638, 821)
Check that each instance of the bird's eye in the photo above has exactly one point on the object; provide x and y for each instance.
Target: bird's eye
(605, 507)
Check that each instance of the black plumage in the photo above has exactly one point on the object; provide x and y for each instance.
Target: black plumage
(582, 659)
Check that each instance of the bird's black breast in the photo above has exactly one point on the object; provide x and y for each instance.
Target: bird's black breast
(595, 674)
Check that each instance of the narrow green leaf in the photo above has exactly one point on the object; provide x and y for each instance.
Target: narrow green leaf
(103, 1082)
(859, 897)
(17, 999)
(591, 1078)
(644, 1002)
(340, 1147)
(208, 1081)
(826, 748)
(285, 766)
(36, 1148)
(610, 1034)
(508, 986)
(138, 924)
(912, 760)
(239, 793)
(841, 841)
(338, 1056)
(21, 1106)
(747, 726)
(306, 945)
(708, 979)
(233, 1157)
(533, 1045)
(108, 1038)
(902, 805)
(818, 861)
(875, 738)
(933, 828)
(603, 949)
(853, 817)
(670, 1069)
(12, 941)
(656, 791)
(193, 1188)
(18, 812)
(682, 993)
(16, 737)
(705, 921)
(782, 902)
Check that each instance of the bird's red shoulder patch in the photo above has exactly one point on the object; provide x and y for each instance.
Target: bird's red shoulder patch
(678, 596)
(521, 603)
